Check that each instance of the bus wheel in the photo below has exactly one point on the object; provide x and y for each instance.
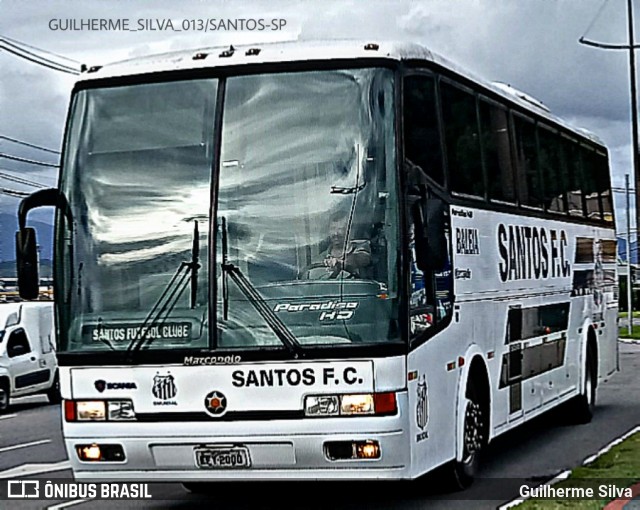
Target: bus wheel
(4, 397)
(585, 403)
(466, 469)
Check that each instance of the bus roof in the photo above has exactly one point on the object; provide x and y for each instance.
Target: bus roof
(301, 51)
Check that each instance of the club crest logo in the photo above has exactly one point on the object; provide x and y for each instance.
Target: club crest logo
(164, 386)
(100, 385)
(422, 408)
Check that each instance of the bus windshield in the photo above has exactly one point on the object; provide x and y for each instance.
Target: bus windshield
(268, 225)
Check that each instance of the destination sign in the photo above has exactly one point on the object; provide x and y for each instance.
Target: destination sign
(180, 331)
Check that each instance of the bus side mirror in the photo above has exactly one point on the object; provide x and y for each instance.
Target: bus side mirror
(27, 262)
(26, 245)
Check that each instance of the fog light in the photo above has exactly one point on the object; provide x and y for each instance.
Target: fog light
(100, 452)
(368, 450)
(89, 453)
(352, 450)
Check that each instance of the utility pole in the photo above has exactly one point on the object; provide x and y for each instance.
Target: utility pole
(629, 279)
(631, 48)
(634, 106)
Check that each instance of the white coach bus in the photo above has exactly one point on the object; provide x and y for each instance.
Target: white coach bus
(319, 261)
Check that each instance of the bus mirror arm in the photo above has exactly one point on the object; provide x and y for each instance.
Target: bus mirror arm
(40, 198)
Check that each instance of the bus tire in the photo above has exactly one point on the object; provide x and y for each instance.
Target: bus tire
(4, 396)
(53, 393)
(465, 470)
(585, 403)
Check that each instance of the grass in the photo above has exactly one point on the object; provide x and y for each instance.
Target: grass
(624, 315)
(619, 466)
(623, 331)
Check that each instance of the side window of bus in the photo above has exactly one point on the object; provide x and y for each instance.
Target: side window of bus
(421, 129)
(554, 169)
(431, 278)
(590, 183)
(603, 185)
(462, 140)
(527, 163)
(494, 129)
(574, 194)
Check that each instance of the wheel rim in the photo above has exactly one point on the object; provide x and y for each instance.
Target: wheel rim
(473, 437)
(4, 398)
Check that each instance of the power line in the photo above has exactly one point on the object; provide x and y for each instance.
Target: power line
(39, 49)
(20, 180)
(25, 160)
(17, 47)
(14, 193)
(14, 140)
(36, 59)
(593, 22)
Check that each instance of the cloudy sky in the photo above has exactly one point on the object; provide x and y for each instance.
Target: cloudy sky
(530, 44)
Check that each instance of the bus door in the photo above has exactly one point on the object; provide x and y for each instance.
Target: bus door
(511, 376)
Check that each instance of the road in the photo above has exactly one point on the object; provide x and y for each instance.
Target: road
(30, 434)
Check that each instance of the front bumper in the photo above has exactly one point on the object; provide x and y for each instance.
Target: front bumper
(279, 449)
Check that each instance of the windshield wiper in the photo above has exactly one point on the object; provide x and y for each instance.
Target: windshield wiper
(351, 190)
(194, 265)
(186, 272)
(247, 288)
(347, 190)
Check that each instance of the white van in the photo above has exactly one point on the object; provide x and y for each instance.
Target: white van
(28, 361)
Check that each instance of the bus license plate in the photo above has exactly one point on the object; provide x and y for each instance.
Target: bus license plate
(223, 458)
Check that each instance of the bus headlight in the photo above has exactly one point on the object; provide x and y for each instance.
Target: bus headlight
(356, 404)
(360, 404)
(322, 405)
(91, 410)
(120, 410)
(99, 410)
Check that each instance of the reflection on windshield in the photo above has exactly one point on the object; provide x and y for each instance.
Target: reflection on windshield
(306, 182)
(253, 296)
(137, 175)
